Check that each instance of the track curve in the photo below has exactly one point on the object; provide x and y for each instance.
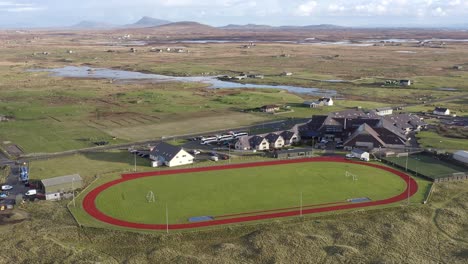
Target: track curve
(89, 204)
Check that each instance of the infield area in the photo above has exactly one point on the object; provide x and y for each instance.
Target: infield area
(244, 192)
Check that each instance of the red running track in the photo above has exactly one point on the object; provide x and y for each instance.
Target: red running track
(89, 204)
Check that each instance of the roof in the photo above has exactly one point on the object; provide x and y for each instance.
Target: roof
(358, 151)
(461, 153)
(244, 141)
(255, 140)
(440, 109)
(380, 109)
(272, 137)
(269, 106)
(326, 99)
(165, 150)
(287, 134)
(61, 180)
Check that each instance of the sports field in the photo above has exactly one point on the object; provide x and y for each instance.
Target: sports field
(240, 191)
(427, 166)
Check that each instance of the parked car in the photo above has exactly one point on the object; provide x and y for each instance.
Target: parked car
(31, 192)
(349, 156)
(214, 158)
(3, 195)
(6, 187)
(339, 145)
(195, 152)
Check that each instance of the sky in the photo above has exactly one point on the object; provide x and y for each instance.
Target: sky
(56, 13)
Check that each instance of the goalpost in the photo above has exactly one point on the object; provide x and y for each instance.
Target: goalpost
(353, 176)
(150, 197)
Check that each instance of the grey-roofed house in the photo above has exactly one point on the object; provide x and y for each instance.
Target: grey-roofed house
(61, 187)
(290, 137)
(259, 143)
(243, 143)
(276, 141)
(169, 155)
(441, 111)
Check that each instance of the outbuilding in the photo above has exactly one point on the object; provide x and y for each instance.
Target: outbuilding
(360, 154)
(61, 187)
(441, 111)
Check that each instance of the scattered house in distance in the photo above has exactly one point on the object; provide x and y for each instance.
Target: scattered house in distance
(4, 118)
(458, 67)
(133, 50)
(405, 82)
(324, 101)
(291, 153)
(441, 111)
(270, 108)
(383, 111)
(61, 187)
(156, 50)
(69, 51)
(169, 155)
(256, 76)
(360, 154)
(287, 73)
(462, 156)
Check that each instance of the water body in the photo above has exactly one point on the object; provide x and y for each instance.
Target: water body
(121, 75)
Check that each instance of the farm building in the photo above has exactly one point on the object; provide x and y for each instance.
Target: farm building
(384, 111)
(269, 108)
(61, 187)
(405, 82)
(462, 156)
(169, 155)
(291, 153)
(441, 111)
(360, 154)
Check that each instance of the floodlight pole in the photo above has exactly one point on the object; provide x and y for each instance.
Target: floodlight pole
(167, 220)
(409, 188)
(134, 154)
(73, 191)
(406, 165)
(301, 205)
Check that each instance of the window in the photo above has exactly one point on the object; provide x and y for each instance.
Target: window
(183, 156)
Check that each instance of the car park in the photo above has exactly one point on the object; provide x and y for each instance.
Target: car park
(6, 187)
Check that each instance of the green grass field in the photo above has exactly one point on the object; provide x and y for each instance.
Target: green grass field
(244, 190)
(427, 166)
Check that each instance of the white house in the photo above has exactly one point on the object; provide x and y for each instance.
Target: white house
(169, 155)
(383, 111)
(360, 154)
(441, 111)
(243, 143)
(326, 101)
(276, 141)
(290, 137)
(259, 143)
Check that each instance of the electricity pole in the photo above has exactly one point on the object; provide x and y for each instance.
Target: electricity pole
(167, 220)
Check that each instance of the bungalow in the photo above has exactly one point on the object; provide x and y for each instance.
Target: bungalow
(169, 155)
(405, 82)
(383, 111)
(441, 111)
(269, 108)
(276, 141)
(326, 101)
(259, 143)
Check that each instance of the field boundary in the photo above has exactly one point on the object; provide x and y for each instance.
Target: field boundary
(89, 200)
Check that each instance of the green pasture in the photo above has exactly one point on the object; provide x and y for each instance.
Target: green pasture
(234, 191)
(429, 139)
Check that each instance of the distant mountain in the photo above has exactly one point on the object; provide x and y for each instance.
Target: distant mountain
(148, 22)
(87, 24)
(247, 27)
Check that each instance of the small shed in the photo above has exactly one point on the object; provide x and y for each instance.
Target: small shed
(360, 154)
(291, 153)
(61, 187)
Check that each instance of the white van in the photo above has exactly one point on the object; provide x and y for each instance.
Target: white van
(214, 158)
(31, 192)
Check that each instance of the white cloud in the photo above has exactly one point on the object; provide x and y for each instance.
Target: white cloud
(306, 9)
(439, 12)
(8, 6)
